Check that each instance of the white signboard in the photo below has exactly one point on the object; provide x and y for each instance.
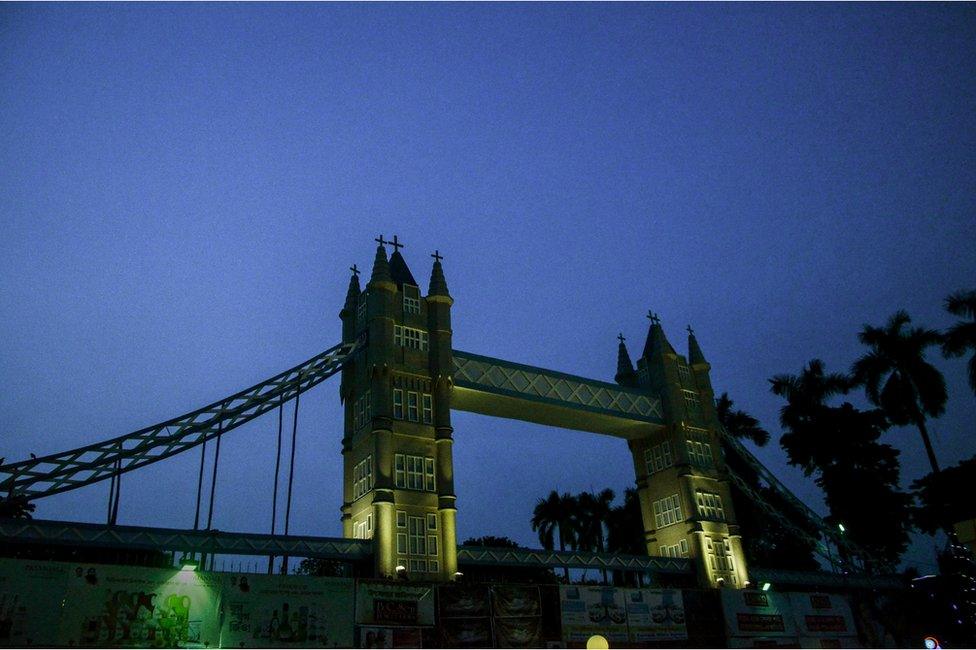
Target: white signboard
(593, 610)
(655, 614)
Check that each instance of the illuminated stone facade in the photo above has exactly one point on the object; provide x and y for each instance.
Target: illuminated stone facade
(398, 487)
(682, 483)
(397, 444)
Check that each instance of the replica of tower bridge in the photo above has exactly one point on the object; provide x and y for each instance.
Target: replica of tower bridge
(400, 380)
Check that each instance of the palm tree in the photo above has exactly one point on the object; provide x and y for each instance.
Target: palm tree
(552, 514)
(807, 392)
(592, 518)
(898, 379)
(738, 423)
(961, 337)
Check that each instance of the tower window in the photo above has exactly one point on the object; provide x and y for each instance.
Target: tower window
(710, 506)
(417, 542)
(684, 372)
(675, 550)
(361, 309)
(692, 401)
(667, 511)
(398, 403)
(362, 477)
(719, 553)
(364, 529)
(363, 409)
(700, 454)
(414, 473)
(412, 413)
(411, 299)
(419, 406)
(410, 337)
(658, 457)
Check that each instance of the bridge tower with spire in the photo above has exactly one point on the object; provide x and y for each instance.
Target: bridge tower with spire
(682, 481)
(398, 479)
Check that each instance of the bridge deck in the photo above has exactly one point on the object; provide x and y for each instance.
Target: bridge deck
(516, 391)
(215, 541)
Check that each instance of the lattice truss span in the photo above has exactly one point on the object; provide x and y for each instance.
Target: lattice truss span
(60, 472)
(517, 380)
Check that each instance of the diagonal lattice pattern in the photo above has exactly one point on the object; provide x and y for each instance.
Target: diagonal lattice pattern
(573, 559)
(495, 375)
(189, 541)
(60, 472)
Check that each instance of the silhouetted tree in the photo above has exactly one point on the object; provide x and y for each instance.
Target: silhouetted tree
(591, 518)
(16, 507)
(312, 566)
(897, 378)
(490, 541)
(552, 515)
(961, 337)
(766, 542)
(858, 475)
(625, 526)
(738, 423)
(946, 497)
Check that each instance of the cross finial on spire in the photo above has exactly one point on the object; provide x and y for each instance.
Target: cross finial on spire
(354, 270)
(382, 242)
(621, 337)
(691, 332)
(653, 317)
(395, 244)
(437, 256)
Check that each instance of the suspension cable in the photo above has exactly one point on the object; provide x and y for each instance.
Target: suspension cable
(274, 498)
(213, 481)
(203, 457)
(291, 477)
(111, 499)
(118, 491)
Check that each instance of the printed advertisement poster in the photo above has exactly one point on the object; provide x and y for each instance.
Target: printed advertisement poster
(372, 636)
(462, 601)
(515, 600)
(140, 607)
(822, 615)
(286, 611)
(593, 610)
(655, 614)
(381, 603)
(750, 613)
(465, 632)
(30, 602)
(518, 632)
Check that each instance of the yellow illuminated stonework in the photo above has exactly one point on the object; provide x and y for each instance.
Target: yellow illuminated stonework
(397, 443)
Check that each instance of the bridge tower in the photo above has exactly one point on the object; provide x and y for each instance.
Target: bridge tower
(682, 482)
(398, 478)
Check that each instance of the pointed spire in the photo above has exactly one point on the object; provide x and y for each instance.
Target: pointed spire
(399, 271)
(381, 267)
(694, 351)
(352, 294)
(438, 285)
(625, 369)
(657, 342)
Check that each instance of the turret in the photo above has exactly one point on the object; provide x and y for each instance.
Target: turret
(625, 369)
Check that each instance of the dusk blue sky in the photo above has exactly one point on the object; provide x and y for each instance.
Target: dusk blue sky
(184, 187)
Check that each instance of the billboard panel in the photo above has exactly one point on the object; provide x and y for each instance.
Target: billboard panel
(286, 611)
